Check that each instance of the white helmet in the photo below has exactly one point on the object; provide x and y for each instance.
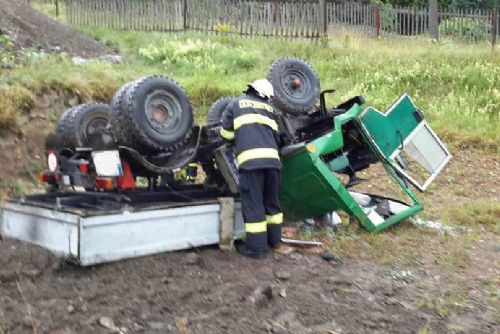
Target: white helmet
(263, 88)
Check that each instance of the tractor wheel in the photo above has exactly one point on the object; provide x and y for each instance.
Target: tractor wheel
(116, 105)
(64, 122)
(296, 85)
(153, 114)
(78, 124)
(215, 112)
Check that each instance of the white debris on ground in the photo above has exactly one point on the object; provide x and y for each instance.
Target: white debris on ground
(432, 224)
(309, 221)
(113, 59)
(361, 199)
(404, 275)
(332, 219)
(78, 61)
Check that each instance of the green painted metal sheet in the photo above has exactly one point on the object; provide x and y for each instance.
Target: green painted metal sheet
(390, 129)
(309, 188)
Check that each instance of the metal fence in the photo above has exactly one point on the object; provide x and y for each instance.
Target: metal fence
(309, 18)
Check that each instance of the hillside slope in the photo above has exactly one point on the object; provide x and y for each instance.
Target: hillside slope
(29, 28)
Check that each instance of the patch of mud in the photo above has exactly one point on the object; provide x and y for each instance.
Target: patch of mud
(168, 293)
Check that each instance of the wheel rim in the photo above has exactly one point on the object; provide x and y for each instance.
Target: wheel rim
(295, 84)
(95, 125)
(163, 111)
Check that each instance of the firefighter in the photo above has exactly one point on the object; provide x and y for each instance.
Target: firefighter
(249, 123)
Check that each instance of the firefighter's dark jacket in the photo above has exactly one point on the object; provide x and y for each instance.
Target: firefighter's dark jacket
(250, 122)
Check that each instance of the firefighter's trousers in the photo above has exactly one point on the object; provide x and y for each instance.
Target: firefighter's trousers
(261, 208)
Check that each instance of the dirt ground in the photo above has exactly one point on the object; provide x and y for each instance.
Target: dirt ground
(214, 292)
(208, 291)
(31, 29)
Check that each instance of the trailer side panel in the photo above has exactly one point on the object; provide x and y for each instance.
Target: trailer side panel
(51, 229)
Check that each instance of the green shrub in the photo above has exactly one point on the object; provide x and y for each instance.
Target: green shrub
(469, 29)
(388, 18)
(7, 55)
(223, 28)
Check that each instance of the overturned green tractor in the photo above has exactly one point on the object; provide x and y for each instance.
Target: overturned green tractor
(150, 127)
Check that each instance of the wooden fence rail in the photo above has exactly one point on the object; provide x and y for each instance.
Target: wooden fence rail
(291, 18)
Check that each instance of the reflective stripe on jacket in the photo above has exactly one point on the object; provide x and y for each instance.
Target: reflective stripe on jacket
(250, 122)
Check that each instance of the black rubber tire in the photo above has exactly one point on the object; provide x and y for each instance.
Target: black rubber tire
(135, 124)
(296, 100)
(215, 112)
(77, 124)
(64, 123)
(116, 105)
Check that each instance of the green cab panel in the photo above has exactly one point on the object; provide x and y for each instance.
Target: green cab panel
(406, 141)
(390, 130)
(309, 188)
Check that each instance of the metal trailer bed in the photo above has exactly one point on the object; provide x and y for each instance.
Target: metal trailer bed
(92, 228)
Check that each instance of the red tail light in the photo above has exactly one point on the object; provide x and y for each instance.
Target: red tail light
(105, 183)
(84, 167)
(42, 177)
(126, 181)
(46, 177)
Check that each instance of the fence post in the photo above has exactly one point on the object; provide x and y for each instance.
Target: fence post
(276, 10)
(184, 15)
(494, 27)
(433, 19)
(323, 18)
(377, 20)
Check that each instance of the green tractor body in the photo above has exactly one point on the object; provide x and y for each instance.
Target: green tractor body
(310, 187)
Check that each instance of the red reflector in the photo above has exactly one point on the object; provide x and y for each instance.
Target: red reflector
(104, 183)
(84, 167)
(42, 177)
(52, 161)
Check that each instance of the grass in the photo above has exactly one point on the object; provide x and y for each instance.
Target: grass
(425, 330)
(406, 245)
(455, 85)
(403, 245)
(475, 214)
(454, 301)
(14, 100)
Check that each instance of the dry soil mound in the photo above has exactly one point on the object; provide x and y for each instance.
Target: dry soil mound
(29, 28)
